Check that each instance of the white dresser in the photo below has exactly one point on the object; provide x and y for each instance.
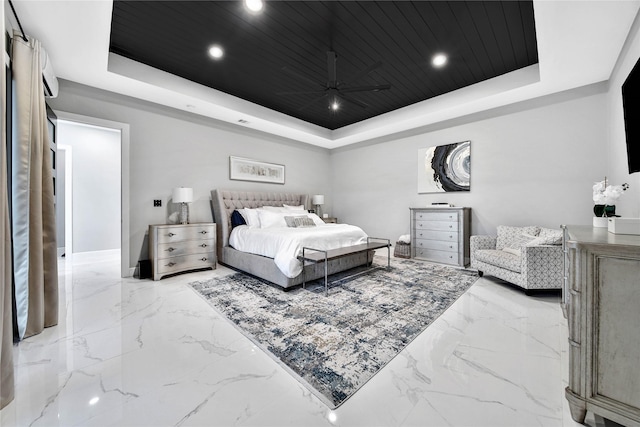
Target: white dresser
(602, 298)
(176, 248)
(441, 235)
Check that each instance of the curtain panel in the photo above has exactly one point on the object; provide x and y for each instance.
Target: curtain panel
(6, 315)
(34, 227)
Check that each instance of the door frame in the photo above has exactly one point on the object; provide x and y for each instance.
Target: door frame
(125, 269)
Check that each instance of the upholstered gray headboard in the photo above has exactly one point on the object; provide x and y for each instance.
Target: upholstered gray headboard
(224, 202)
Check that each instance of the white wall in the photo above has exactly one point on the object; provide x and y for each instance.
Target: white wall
(531, 163)
(96, 185)
(618, 172)
(171, 148)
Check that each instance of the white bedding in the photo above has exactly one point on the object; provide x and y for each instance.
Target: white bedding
(284, 244)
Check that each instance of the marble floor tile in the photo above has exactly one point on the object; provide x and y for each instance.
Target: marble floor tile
(130, 352)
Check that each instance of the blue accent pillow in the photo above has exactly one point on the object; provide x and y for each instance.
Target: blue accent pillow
(237, 219)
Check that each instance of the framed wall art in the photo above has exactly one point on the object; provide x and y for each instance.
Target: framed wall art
(445, 168)
(242, 169)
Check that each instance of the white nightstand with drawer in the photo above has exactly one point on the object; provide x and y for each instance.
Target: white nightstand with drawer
(441, 235)
(176, 248)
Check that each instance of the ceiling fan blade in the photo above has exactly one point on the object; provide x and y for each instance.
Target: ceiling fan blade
(299, 76)
(373, 88)
(331, 68)
(353, 101)
(366, 71)
(302, 92)
(310, 103)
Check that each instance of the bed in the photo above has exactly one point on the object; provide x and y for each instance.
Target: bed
(224, 202)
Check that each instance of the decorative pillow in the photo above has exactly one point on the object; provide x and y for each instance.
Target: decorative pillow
(304, 221)
(270, 219)
(316, 219)
(250, 217)
(294, 208)
(507, 235)
(291, 220)
(548, 236)
(237, 219)
(517, 242)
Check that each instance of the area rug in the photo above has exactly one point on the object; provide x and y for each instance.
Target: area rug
(334, 345)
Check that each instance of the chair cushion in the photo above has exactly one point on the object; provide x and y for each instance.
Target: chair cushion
(500, 258)
(511, 236)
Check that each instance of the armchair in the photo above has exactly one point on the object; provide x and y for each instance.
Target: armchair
(529, 257)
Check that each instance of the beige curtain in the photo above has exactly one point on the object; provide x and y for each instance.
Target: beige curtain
(6, 329)
(34, 226)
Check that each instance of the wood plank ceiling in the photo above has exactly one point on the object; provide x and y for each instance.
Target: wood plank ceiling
(284, 49)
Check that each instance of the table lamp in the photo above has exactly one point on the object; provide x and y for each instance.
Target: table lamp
(318, 200)
(183, 196)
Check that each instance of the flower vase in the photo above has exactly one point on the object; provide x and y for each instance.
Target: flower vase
(603, 212)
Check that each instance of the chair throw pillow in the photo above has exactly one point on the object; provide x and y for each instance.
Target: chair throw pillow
(516, 244)
(507, 235)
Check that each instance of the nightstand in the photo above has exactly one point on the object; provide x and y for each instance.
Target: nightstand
(330, 220)
(176, 248)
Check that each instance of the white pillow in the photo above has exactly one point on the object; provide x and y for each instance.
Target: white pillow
(294, 208)
(270, 219)
(517, 242)
(250, 217)
(275, 208)
(316, 219)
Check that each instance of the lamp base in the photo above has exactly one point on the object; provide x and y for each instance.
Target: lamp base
(184, 213)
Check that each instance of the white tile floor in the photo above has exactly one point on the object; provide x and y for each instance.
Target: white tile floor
(130, 352)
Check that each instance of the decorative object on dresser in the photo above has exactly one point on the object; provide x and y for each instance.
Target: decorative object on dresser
(530, 257)
(605, 197)
(242, 169)
(179, 248)
(441, 234)
(183, 196)
(317, 200)
(445, 168)
(602, 296)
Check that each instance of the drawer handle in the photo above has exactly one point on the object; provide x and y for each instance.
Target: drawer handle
(451, 237)
(204, 245)
(420, 234)
(171, 249)
(451, 226)
(203, 232)
(450, 246)
(171, 264)
(171, 234)
(203, 259)
(451, 256)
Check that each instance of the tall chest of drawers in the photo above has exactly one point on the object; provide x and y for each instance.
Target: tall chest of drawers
(176, 248)
(441, 235)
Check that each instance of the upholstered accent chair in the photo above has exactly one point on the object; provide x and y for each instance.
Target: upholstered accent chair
(530, 257)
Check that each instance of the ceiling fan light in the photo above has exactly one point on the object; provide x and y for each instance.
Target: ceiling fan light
(216, 52)
(254, 5)
(439, 60)
(335, 105)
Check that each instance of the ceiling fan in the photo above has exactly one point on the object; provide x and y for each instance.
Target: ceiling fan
(334, 89)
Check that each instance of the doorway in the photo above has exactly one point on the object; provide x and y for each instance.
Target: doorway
(93, 196)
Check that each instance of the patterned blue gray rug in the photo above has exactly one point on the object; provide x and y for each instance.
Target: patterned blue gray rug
(335, 344)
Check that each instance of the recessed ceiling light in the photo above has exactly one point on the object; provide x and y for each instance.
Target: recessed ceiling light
(254, 5)
(439, 60)
(216, 52)
(335, 105)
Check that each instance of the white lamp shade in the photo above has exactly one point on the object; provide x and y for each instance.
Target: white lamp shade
(182, 195)
(317, 199)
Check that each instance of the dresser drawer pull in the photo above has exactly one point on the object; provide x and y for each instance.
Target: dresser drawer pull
(171, 264)
(171, 234)
(203, 232)
(451, 226)
(450, 246)
(171, 249)
(204, 245)
(203, 259)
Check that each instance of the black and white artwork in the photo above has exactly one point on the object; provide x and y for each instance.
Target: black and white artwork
(444, 168)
